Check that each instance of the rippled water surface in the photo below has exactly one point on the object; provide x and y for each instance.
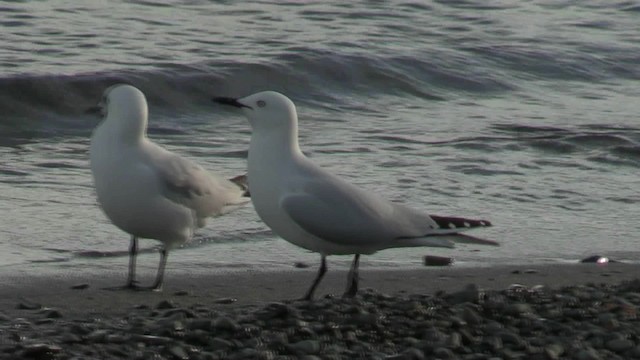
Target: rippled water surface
(524, 113)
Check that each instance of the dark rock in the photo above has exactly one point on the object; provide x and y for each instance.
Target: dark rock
(432, 260)
(220, 343)
(471, 293)
(53, 314)
(306, 347)
(177, 352)
(41, 351)
(300, 265)
(80, 286)
(226, 324)
(181, 293)
(227, 300)
(165, 304)
(619, 345)
(28, 305)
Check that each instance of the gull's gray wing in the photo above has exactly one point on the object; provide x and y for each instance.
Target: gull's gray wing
(341, 213)
(187, 183)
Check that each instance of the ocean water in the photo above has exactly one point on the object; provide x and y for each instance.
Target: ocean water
(525, 113)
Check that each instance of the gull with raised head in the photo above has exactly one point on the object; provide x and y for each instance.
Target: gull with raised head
(145, 190)
(316, 210)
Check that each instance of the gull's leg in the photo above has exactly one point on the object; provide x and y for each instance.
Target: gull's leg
(133, 252)
(352, 278)
(157, 285)
(321, 272)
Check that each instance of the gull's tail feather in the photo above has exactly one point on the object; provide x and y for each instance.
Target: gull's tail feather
(443, 240)
(458, 223)
(468, 239)
(243, 183)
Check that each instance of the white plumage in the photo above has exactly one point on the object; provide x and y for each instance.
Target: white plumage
(145, 190)
(318, 211)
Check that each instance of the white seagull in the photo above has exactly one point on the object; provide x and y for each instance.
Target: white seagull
(145, 190)
(318, 211)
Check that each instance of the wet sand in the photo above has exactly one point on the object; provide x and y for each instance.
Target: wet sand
(243, 288)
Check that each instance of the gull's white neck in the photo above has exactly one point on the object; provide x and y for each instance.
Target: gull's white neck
(273, 147)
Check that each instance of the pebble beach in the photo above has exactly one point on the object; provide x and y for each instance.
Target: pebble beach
(573, 311)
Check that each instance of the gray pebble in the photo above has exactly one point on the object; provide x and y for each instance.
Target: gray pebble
(28, 305)
(306, 347)
(471, 316)
(53, 314)
(587, 354)
(177, 352)
(619, 345)
(225, 301)
(471, 293)
(80, 286)
(41, 351)
(220, 343)
(443, 353)
(165, 304)
(554, 351)
(225, 323)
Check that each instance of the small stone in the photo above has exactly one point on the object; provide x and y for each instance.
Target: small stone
(181, 293)
(608, 321)
(471, 316)
(80, 287)
(220, 343)
(432, 260)
(278, 310)
(471, 293)
(225, 301)
(69, 338)
(97, 336)
(53, 314)
(554, 351)
(116, 339)
(443, 353)
(165, 304)
(41, 351)
(300, 265)
(306, 346)
(28, 305)
(519, 309)
(151, 339)
(177, 352)
(178, 313)
(619, 345)
(454, 341)
(199, 324)
(587, 354)
(225, 323)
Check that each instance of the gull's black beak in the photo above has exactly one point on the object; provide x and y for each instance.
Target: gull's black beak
(230, 101)
(94, 110)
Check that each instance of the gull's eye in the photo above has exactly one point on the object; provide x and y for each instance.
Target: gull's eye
(261, 103)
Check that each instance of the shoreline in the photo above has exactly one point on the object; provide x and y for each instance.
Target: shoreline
(255, 288)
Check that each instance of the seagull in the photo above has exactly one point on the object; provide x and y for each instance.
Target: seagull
(145, 190)
(318, 211)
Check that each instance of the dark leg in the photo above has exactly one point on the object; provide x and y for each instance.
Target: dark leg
(157, 285)
(352, 278)
(321, 272)
(133, 252)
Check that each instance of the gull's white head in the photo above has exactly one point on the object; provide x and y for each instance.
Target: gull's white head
(267, 110)
(123, 107)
